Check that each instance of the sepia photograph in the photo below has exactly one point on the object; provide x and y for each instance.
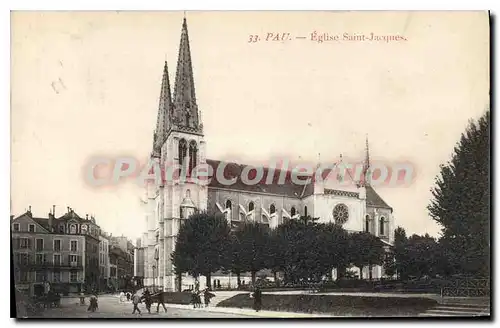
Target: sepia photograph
(250, 164)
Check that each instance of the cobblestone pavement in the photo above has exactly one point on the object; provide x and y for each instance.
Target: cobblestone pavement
(110, 307)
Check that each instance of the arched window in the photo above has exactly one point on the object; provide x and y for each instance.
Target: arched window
(61, 228)
(367, 223)
(182, 151)
(187, 119)
(305, 210)
(250, 207)
(193, 150)
(228, 209)
(293, 211)
(272, 209)
(72, 229)
(382, 228)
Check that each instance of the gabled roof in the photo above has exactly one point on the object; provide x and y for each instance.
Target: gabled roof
(39, 221)
(233, 170)
(373, 199)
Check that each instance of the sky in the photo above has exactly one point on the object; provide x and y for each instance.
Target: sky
(86, 84)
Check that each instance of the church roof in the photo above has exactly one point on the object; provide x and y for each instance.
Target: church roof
(288, 188)
(373, 199)
(234, 170)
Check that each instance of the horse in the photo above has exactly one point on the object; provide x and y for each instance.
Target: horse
(159, 298)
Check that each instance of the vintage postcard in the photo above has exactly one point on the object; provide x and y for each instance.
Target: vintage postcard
(265, 164)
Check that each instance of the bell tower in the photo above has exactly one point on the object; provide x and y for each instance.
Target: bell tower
(180, 148)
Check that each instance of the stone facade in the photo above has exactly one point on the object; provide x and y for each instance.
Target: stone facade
(179, 140)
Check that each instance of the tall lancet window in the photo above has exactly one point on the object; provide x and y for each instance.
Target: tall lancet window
(367, 223)
(182, 151)
(381, 226)
(193, 152)
(187, 119)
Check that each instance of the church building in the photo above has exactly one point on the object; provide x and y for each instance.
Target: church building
(179, 138)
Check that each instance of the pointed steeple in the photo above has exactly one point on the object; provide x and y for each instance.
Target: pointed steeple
(164, 109)
(186, 109)
(366, 164)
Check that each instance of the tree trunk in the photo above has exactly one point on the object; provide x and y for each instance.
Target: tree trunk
(370, 274)
(209, 283)
(179, 282)
(276, 281)
(330, 275)
(254, 273)
(238, 276)
(360, 272)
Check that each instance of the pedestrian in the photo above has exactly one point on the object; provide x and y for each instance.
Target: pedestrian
(136, 299)
(93, 303)
(122, 297)
(147, 300)
(257, 299)
(128, 296)
(207, 295)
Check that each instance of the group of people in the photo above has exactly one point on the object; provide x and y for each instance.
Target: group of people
(148, 300)
(196, 298)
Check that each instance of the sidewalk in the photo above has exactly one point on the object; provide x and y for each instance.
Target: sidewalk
(250, 312)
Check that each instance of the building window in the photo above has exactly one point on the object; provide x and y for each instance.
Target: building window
(182, 151)
(39, 244)
(251, 207)
(73, 276)
(305, 210)
(340, 214)
(61, 228)
(382, 228)
(23, 276)
(73, 260)
(367, 223)
(74, 246)
(16, 226)
(31, 228)
(39, 276)
(57, 245)
(56, 276)
(272, 209)
(57, 259)
(193, 154)
(40, 258)
(293, 211)
(25, 243)
(72, 229)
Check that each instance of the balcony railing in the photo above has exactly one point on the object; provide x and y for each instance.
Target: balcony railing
(48, 265)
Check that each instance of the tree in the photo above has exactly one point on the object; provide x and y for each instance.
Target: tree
(337, 249)
(234, 261)
(400, 253)
(461, 201)
(366, 250)
(201, 245)
(252, 244)
(422, 255)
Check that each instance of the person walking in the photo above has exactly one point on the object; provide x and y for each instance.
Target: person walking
(136, 299)
(147, 300)
(207, 296)
(257, 299)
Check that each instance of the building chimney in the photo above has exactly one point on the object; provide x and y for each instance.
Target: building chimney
(68, 209)
(29, 208)
(53, 210)
(87, 217)
(51, 222)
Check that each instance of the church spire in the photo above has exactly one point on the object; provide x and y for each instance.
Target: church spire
(367, 164)
(164, 109)
(186, 109)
